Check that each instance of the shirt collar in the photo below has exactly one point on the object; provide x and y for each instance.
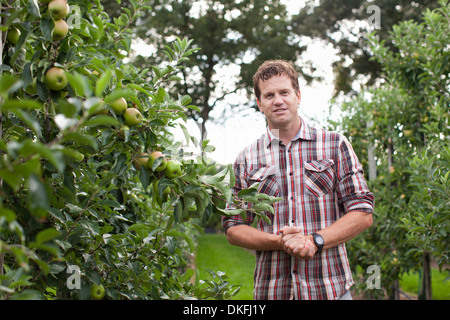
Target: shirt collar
(306, 132)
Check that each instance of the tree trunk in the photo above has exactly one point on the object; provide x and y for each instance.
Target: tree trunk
(425, 292)
(371, 157)
(395, 293)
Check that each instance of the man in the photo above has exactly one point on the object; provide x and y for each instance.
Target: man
(325, 200)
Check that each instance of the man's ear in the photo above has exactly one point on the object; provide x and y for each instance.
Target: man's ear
(259, 104)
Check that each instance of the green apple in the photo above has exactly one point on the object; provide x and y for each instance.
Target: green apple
(173, 169)
(156, 196)
(122, 131)
(119, 105)
(55, 79)
(141, 160)
(60, 30)
(97, 291)
(58, 9)
(13, 35)
(155, 155)
(132, 117)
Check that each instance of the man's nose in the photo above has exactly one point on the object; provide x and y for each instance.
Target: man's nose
(278, 100)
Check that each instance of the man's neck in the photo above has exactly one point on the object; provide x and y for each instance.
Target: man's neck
(286, 134)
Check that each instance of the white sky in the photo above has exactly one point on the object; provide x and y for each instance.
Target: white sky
(235, 132)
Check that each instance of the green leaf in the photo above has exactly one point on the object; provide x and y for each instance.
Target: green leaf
(231, 212)
(90, 226)
(33, 8)
(46, 235)
(46, 26)
(11, 178)
(159, 96)
(30, 121)
(8, 214)
(12, 105)
(79, 83)
(185, 100)
(53, 156)
(8, 85)
(101, 121)
(119, 93)
(103, 82)
(81, 139)
(38, 198)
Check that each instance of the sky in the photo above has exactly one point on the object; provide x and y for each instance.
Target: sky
(230, 134)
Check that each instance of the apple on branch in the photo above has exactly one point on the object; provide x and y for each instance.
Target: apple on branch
(13, 35)
(173, 169)
(60, 30)
(132, 117)
(97, 291)
(55, 79)
(58, 9)
(161, 164)
(160, 197)
(119, 105)
(141, 160)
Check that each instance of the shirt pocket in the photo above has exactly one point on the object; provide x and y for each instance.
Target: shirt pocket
(319, 177)
(267, 179)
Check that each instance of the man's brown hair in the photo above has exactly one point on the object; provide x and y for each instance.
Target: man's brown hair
(275, 68)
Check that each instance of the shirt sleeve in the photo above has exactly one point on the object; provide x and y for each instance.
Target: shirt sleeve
(352, 189)
(239, 168)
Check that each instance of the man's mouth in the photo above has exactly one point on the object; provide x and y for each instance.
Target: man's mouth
(279, 110)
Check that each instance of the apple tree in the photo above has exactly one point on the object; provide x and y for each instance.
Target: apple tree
(403, 124)
(97, 198)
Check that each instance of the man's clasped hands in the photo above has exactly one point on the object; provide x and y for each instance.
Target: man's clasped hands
(296, 243)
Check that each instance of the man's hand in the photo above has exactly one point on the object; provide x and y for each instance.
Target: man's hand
(297, 244)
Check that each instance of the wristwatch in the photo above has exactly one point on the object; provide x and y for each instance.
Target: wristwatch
(318, 241)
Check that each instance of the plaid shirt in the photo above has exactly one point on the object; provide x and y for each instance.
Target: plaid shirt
(319, 178)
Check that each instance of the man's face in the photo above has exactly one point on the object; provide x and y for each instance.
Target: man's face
(279, 102)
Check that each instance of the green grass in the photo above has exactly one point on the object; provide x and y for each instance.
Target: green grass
(440, 285)
(215, 253)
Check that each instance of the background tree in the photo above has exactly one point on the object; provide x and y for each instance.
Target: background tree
(409, 135)
(344, 24)
(232, 35)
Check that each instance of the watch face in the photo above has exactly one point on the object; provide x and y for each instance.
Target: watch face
(318, 239)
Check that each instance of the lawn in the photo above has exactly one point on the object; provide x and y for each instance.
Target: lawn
(440, 284)
(215, 253)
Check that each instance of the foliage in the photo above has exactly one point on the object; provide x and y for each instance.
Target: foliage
(237, 35)
(406, 122)
(344, 24)
(76, 204)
